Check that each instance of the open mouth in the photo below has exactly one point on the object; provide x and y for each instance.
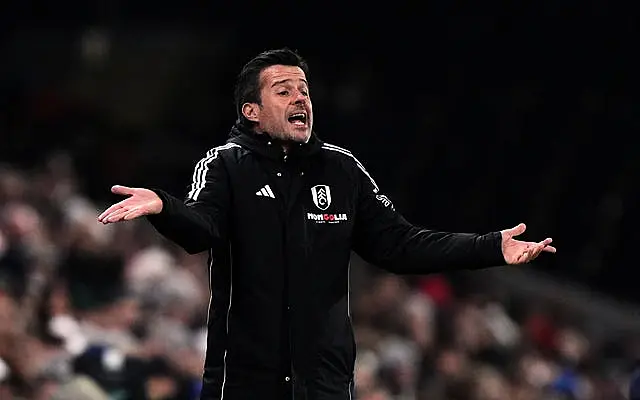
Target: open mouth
(298, 119)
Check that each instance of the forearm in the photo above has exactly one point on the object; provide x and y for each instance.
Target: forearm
(189, 227)
(411, 250)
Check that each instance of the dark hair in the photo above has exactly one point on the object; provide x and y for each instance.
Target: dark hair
(247, 88)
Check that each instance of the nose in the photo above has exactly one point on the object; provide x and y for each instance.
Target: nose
(299, 98)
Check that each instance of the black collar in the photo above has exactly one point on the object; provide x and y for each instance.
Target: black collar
(264, 145)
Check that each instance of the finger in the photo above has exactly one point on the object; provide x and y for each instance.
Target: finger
(538, 249)
(116, 215)
(531, 253)
(535, 252)
(110, 210)
(544, 247)
(123, 214)
(122, 190)
(113, 217)
(517, 230)
(133, 214)
(522, 258)
(546, 242)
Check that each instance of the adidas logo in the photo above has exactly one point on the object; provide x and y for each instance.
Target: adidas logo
(266, 191)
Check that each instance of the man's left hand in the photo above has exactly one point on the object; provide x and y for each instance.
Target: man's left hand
(519, 252)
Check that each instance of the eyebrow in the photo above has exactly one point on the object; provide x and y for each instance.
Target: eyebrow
(276, 83)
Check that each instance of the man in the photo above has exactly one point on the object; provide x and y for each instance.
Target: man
(280, 211)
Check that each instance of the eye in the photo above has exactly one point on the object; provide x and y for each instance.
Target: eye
(304, 92)
(283, 93)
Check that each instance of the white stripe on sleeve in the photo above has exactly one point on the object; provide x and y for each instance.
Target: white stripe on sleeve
(202, 167)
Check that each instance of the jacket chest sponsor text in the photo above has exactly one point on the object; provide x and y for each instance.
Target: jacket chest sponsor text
(326, 218)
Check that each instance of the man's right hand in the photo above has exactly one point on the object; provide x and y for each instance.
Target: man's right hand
(139, 203)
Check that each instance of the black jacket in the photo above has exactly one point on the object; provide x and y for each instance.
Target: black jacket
(280, 230)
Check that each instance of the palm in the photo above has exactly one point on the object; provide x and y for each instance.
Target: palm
(139, 203)
(521, 252)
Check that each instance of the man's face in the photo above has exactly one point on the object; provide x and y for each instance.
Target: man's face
(286, 111)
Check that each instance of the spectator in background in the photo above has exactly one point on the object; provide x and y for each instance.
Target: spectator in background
(73, 316)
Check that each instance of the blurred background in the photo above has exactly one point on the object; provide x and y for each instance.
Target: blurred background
(470, 117)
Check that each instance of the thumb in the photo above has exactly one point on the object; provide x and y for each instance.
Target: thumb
(515, 231)
(122, 190)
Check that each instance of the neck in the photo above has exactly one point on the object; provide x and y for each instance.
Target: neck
(285, 145)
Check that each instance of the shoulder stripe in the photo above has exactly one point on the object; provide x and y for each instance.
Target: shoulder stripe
(202, 167)
(335, 147)
(331, 147)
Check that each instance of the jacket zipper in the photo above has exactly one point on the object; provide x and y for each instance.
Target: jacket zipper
(285, 220)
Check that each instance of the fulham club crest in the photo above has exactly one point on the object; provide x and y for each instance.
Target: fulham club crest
(321, 196)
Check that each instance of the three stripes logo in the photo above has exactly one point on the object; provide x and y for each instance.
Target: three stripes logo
(266, 192)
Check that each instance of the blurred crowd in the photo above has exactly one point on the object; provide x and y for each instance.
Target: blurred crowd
(116, 312)
(90, 311)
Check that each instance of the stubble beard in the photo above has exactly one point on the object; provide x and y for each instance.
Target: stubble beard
(289, 135)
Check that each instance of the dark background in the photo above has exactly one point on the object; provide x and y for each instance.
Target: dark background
(472, 117)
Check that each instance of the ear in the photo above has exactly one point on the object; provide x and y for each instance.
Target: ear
(251, 111)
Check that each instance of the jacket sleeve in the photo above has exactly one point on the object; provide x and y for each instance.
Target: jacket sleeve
(384, 238)
(200, 221)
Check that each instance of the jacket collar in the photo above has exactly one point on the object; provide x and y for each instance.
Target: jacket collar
(264, 145)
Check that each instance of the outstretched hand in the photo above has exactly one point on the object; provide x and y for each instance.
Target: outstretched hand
(139, 203)
(519, 252)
